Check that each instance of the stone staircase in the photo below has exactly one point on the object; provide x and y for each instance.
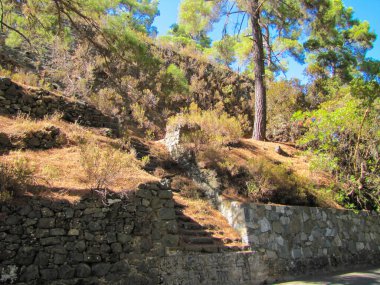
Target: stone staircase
(195, 237)
(142, 150)
(204, 237)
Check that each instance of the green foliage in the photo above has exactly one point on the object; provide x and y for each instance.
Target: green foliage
(283, 99)
(368, 91)
(321, 161)
(180, 38)
(179, 80)
(224, 50)
(34, 20)
(338, 42)
(330, 122)
(195, 16)
(345, 136)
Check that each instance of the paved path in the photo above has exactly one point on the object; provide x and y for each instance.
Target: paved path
(360, 277)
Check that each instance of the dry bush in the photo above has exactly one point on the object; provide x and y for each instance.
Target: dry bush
(138, 114)
(107, 100)
(103, 165)
(25, 78)
(211, 127)
(275, 183)
(72, 68)
(15, 177)
(187, 187)
(72, 134)
(24, 123)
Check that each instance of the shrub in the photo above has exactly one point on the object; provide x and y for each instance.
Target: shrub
(274, 183)
(176, 81)
(103, 165)
(187, 187)
(283, 99)
(138, 114)
(211, 127)
(345, 135)
(107, 100)
(51, 172)
(324, 162)
(15, 177)
(72, 69)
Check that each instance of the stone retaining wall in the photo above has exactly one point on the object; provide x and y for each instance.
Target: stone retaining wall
(100, 241)
(300, 240)
(214, 269)
(38, 103)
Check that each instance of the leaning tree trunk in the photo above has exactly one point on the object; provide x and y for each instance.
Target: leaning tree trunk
(259, 127)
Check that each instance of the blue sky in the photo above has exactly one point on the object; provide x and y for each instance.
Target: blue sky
(364, 10)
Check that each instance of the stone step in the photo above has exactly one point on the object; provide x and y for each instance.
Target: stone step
(196, 233)
(198, 240)
(201, 248)
(209, 248)
(140, 148)
(209, 226)
(228, 240)
(190, 226)
(184, 218)
(235, 248)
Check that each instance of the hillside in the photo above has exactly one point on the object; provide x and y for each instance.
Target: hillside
(128, 156)
(54, 146)
(50, 155)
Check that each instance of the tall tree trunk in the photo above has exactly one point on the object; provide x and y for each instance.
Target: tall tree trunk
(259, 127)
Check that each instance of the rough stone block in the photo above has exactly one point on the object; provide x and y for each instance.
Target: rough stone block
(57, 232)
(50, 241)
(66, 272)
(170, 240)
(82, 270)
(46, 213)
(25, 255)
(59, 259)
(13, 220)
(166, 214)
(73, 232)
(100, 269)
(49, 274)
(46, 223)
(29, 274)
(165, 194)
(91, 258)
(116, 247)
(144, 193)
(80, 246)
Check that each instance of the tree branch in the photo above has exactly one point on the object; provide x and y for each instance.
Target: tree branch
(17, 31)
(224, 32)
(59, 17)
(234, 12)
(260, 5)
(2, 15)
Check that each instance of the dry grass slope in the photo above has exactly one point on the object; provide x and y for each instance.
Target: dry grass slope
(59, 172)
